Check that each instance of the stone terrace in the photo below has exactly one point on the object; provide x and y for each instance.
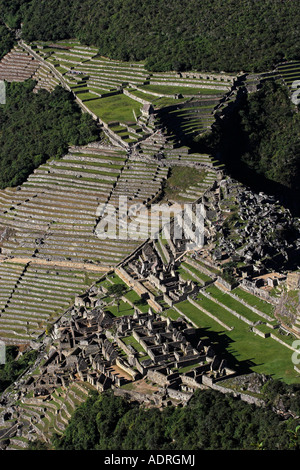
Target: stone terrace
(55, 212)
(33, 296)
(18, 66)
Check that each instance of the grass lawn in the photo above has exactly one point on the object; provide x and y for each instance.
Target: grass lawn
(229, 302)
(66, 57)
(158, 247)
(98, 164)
(213, 270)
(85, 96)
(171, 313)
(158, 102)
(115, 108)
(254, 301)
(186, 276)
(132, 296)
(198, 273)
(115, 279)
(243, 348)
(184, 90)
(124, 309)
(133, 342)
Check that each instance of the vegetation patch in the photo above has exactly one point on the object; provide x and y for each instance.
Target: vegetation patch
(118, 108)
(210, 421)
(37, 126)
(180, 179)
(169, 35)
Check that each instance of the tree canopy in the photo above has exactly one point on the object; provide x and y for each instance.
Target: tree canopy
(258, 140)
(6, 40)
(37, 126)
(171, 35)
(210, 421)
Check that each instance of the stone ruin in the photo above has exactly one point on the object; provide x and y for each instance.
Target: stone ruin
(91, 346)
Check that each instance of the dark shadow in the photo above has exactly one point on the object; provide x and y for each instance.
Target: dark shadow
(220, 343)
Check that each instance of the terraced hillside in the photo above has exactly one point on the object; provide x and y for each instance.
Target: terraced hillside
(18, 65)
(113, 91)
(34, 296)
(51, 251)
(50, 222)
(289, 72)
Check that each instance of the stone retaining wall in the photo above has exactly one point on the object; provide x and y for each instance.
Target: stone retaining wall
(243, 396)
(136, 98)
(136, 396)
(236, 314)
(200, 267)
(259, 293)
(208, 314)
(192, 85)
(255, 310)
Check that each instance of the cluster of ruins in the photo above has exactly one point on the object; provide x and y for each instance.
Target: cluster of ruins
(108, 352)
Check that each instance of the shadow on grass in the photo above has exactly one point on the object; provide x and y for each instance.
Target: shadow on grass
(221, 344)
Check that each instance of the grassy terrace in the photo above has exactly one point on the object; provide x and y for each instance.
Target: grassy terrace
(99, 164)
(195, 271)
(133, 297)
(130, 340)
(115, 108)
(229, 302)
(213, 270)
(180, 179)
(184, 90)
(124, 308)
(161, 254)
(118, 155)
(80, 170)
(85, 95)
(254, 301)
(243, 349)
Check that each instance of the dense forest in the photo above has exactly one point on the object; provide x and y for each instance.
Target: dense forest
(6, 40)
(270, 135)
(37, 126)
(169, 34)
(258, 140)
(210, 421)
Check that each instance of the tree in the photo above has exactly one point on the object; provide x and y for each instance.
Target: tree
(230, 36)
(49, 123)
(117, 291)
(210, 421)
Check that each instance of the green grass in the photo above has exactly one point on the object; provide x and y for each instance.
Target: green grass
(254, 301)
(171, 313)
(158, 102)
(132, 296)
(130, 340)
(180, 179)
(124, 309)
(115, 108)
(243, 348)
(96, 164)
(213, 270)
(202, 276)
(184, 90)
(66, 57)
(87, 96)
(116, 279)
(229, 302)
